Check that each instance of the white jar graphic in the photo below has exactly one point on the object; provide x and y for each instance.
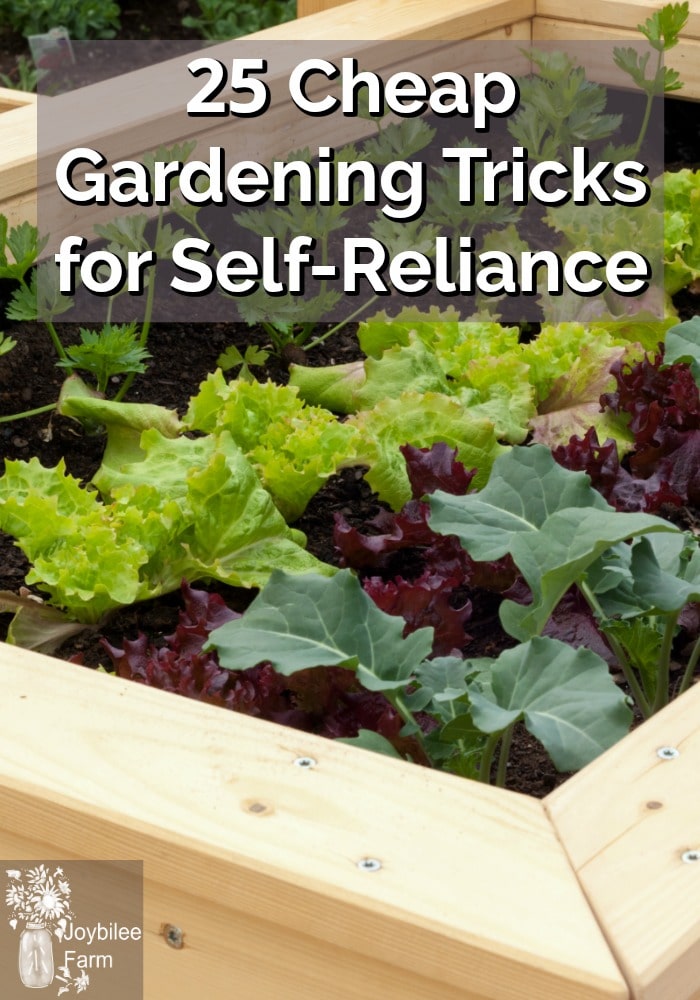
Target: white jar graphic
(35, 956)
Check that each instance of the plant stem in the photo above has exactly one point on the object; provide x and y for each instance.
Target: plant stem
(408, 717)
(148, 312)
(487, 756)
(627, 669)
(503, 756)
(340, 325)
(647, 110)
(57, 343)
(27, 413)
(663, 673)
(690, 668)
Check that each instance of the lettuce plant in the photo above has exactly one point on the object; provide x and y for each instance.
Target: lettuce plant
(681, 229)
(180, 507)
(293, 447)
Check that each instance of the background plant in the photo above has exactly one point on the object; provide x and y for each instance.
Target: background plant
(25, 76)
(112, 350)
(219, 20)
(662, 31)
(81, 18)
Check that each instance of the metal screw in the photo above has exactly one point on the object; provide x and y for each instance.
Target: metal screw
(305, 762)
(369, 864)
(173, 936)
(668, 753)
(690, 856)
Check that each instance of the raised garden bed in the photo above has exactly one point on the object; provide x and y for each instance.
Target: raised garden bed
(267, 866)
(18, 155)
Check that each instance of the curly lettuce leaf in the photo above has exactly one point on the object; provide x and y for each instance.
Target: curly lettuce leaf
(681, 229)
(573, 404)
(294, 448)
(498, 389)
(185, 508)
(228, 529)
(420, 420)
(475, 362)
(80, 555)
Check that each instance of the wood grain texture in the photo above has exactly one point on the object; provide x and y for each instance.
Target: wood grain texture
(11, 98)
(684, 57)
(306, 7)
(18, 171)
(626, 821)
(618, 13)
(395, 19)
(256, 858)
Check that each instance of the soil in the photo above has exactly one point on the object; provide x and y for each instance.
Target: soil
(182, 356)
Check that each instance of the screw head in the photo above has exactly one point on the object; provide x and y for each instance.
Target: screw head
(306, 762)
(668, 753)
(173, 936)
(690, 857)
(369, 864)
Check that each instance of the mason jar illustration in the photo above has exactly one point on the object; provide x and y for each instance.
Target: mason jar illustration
(35, 956)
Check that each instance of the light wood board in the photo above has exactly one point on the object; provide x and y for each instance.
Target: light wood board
(626, 820)
(256, 859)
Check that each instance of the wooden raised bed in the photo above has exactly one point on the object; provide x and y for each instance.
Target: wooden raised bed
(481, 895)
(17, 155)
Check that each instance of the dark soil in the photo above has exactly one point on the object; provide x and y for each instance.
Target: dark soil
(182, 356)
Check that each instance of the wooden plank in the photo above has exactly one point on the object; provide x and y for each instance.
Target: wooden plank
(362, 20)
(20, 208)
(306, 7)
(256, 859)
(395, 19)
(617, 13)
(684, 57)
(626, 821)
(17, 151)
(10, 98)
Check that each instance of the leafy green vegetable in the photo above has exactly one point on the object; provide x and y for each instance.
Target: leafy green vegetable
(573, 402)
(113, 350)
(681, 229)
(186, 508)
(553, 523)
(662, 30)
(477, 363)
(361, 385)
(314, 621)
(6, 343)
(294, 447)
(566, 698)
(19, 249)
(559, 108)
(420, 420)
(558, 348)
(683, 344)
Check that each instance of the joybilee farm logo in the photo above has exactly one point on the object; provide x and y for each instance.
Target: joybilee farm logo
(55, 949)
